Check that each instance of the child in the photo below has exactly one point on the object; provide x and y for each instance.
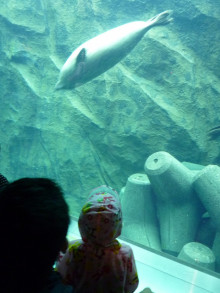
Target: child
(99, 263)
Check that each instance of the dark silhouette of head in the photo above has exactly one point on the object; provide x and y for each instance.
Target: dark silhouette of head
(3, 181)
(33, 224)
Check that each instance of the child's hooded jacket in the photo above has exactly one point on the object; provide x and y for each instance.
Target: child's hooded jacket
(99, 263)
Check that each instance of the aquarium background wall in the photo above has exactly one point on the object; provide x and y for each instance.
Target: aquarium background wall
(164, 96)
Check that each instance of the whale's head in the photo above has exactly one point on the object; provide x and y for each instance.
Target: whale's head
(72, 72)
(71, 82)
(66, 79)
(60, 85)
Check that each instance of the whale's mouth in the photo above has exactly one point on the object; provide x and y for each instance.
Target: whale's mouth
(58, 86)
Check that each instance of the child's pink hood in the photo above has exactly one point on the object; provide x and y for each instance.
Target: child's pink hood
(100, 221)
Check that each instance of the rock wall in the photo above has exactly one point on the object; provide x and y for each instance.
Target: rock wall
(164, 96)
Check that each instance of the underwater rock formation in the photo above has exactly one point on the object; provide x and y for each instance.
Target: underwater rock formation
(198, 254)
(176, 197)
(140, 223)
(163, 96)
(216, 250)
(178, 208)
(207, 186)
(207, 231)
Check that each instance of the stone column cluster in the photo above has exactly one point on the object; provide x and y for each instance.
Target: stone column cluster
(176, 209)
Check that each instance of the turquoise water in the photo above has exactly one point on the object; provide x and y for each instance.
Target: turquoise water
(163, 96)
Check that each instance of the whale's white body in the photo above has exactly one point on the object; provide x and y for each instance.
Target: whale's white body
(98, 54)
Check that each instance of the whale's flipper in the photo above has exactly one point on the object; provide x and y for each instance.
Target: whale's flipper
(81, 56)
(80, 65)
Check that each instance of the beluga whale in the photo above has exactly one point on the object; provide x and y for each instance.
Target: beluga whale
(102, 52)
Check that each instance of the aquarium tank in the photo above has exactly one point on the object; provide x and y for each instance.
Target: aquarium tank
(124, 93)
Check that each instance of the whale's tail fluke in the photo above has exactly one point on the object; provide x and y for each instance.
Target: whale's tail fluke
(161, 18)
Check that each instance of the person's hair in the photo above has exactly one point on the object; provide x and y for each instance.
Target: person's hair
(34, 220)
(3, 181)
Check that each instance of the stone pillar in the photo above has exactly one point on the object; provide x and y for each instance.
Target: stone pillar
(207, 185)
(216, 251)
(138, 212)
(198, 254)
(178, 207)
(206, 231)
